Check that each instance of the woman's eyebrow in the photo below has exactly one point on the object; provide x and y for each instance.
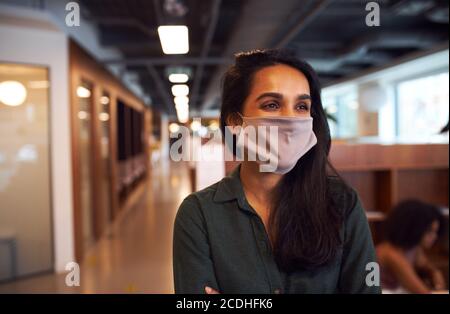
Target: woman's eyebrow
(280, 96)
(273, 95)
(304, 97)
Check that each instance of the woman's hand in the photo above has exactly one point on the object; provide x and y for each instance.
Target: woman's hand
(438, 280)
(210, 290)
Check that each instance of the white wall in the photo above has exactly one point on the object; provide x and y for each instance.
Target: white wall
(27, 37)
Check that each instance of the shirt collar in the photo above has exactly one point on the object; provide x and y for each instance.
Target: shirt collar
(230, 188)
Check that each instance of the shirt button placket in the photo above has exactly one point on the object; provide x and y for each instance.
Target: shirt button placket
(265, 250)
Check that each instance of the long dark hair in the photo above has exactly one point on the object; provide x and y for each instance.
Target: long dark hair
(409, 220)
(304, 222)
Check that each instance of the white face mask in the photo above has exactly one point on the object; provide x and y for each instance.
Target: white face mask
(279, 142)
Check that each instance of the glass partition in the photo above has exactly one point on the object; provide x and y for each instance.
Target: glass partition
(25, 192)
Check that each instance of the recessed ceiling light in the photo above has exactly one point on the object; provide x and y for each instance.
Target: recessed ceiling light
(178, 78)
(181, 100)
(180, 90)
(174, 39)
(183, 114)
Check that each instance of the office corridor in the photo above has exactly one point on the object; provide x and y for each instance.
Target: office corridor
(99, 98)
(135, 254)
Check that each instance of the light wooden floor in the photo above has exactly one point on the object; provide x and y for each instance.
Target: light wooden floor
(135, 255)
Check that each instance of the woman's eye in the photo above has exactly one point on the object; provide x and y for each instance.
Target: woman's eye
(270, 106)
(302, 107)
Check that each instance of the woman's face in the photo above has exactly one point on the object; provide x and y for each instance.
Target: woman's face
(430, 235)
(278, 90)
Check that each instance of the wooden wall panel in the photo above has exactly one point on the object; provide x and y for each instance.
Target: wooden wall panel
(397, 156)
(85, 67)
(427, 185)
(383, 175)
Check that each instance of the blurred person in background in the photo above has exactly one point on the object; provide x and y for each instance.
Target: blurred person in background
(411, 228)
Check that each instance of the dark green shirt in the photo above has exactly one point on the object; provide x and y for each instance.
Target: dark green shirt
(221, 242)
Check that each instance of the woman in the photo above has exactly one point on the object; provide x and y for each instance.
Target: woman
(294, 227)
(411, 227)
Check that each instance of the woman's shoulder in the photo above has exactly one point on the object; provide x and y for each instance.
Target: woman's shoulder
(193, 204)
(206, 194)
(338, 185)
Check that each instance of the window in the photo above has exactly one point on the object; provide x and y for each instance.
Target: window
(422, 105)
(342, 111)
(330, 106)
(347, 118)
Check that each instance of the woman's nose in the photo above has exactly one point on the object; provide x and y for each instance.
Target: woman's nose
(288, 111)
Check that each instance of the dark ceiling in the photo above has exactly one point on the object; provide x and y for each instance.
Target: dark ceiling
(331, 35)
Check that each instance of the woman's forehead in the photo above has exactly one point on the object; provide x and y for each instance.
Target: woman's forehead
(281, 79)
